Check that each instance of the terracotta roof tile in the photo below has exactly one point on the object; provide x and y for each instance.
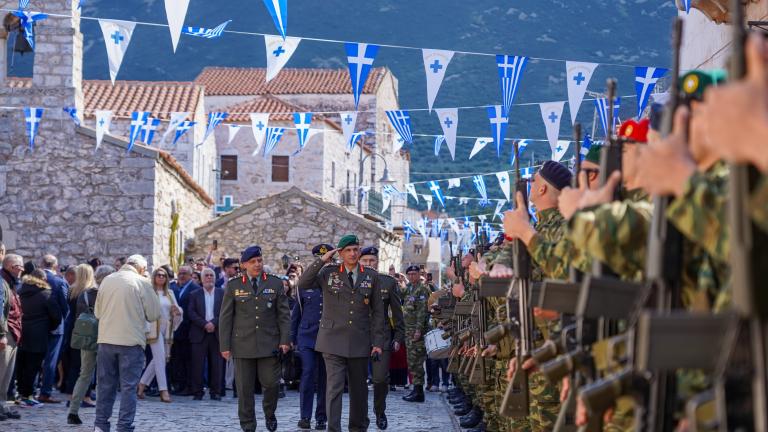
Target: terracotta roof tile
(281, 110)
(221, 81)
(159, 97)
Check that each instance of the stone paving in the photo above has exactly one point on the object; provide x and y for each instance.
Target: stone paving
(187, 415)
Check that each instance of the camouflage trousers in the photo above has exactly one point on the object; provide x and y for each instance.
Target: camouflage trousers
(506, 424)
(623, 419)
(417, 354)
(545, 403)
(487, 399)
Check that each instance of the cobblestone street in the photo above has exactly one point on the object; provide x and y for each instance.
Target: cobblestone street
(187, 415)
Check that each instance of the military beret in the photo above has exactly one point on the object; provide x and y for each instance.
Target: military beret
(347, 240)
(321, 249)
(413, 268)
(370, 250)
(593, 155)
(555, 174)
(250, 252)
(229, 262)
(693, 83)
(634, 131)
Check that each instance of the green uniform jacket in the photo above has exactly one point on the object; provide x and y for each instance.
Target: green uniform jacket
(253, 324)
(388, 290)
(354, 318)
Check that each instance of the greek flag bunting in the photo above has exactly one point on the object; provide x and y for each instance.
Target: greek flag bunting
(149, 129)
(687, 5)
(259, 122)
(206, 32)
(480, 186)
(117, 37)
(411, 189)
(273, 138)
(497, 213)
(176, 12)
(233, 130)
(279, 51)
(645, 80)
(428, 199)
(503, 177)
(23, 4)
(32, 117)
(435, 65)
(302, 121)
(521, 145)
(577, 76)
(585, 146)
(103, 120)
(439, 140)
(499, 122)
(510, 70)
(449, 121)
(27, 21)
(435, 188)
(360, 57)
(454, 183)
(401, 121)
(72, 111)
(560, 149)
(279, 11)
(601, 105)
(138, 119)
(480, 144)
(214, 119)
(173, 123)
(551, 114)
(181, 129)
(353, 139)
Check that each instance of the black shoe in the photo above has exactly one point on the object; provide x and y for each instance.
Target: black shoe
(272, 424)
(472, 420)
(463, 410)
(381, 422)
(479, 428)
(304, 423)
(320, 425)
(215, 397)
(12, 415)
(459, 403)
(455, 400)
(3, 417)
(74, 419)
(416, 396)
(410, 394)
(198, 397)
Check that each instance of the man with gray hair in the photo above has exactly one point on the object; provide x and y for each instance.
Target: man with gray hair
(59, 296)
(125, 303)
(10, 325)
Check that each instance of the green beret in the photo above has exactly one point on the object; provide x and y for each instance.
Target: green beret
(594, 153)
(693, 83)
(347, 240)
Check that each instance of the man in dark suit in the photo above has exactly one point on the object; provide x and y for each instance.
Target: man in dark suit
(60, 297)
(254, 328)
(305, 322)
(181, 355)
(352, 329)
(369, 257)
(203, 312)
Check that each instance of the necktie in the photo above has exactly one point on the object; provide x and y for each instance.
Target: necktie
(255, 285)
(351, 279)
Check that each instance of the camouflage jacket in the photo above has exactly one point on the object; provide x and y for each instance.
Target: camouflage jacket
(615, 233)
(699, 214)
(759, 204)
(415, 308)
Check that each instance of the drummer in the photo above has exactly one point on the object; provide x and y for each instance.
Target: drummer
(415, 316)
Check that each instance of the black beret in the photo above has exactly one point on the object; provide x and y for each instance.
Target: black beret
(556, 174)
(321, 249)
(229, 262)
(370, 250)
(250, 252)
(413, 268)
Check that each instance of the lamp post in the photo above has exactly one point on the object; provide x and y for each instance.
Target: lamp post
(384, 178)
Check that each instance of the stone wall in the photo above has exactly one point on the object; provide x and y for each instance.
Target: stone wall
(291, 223)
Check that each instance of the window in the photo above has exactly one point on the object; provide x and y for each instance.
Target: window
(333, 174)
(228, 167)
(280, 168)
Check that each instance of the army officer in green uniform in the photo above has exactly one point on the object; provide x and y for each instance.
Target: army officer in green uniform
(254, 327)
(353, 328)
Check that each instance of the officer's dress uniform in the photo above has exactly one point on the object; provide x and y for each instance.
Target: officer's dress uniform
(395, 326)
(305, 323)
(254, 321)
(352, 323)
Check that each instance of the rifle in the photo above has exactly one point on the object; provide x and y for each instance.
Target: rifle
(477, 368)
(517, 397)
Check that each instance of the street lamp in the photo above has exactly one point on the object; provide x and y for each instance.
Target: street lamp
(384, 178)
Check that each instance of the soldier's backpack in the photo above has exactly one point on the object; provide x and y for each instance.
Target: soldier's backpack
(85, 334)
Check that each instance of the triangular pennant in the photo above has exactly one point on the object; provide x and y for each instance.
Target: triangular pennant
(449, 121)
(454, 183)
(214, 119)
(117, 37)
(481, 189)
(454, 226)
(386, 198)
(279, 51)
(586, 144)
(499, 122)
(551, 113)
(577, 75)
(521, 145)
(510, 70)
(206, 33)
(645, 80)
(480, 144)
(259, 122)
(397, 143)
(360, 57)
(401, 121)
(435, 188)
(32, 118)
(503, 177)
(72, 111)
(411, 189)
(353, 140)
(138, 120)
(279, 11)
(27, 22)
(687, 6)
(439, 140)
(348, 122)
(176, 12)
(302, 121)
(560, 149)
(602, 106)
(148, 130)
(497, 213)
(176, 119)
(435, 64)
(427, 199)
(233, 130)
(181, 129)
(273, 138)
(103, 120)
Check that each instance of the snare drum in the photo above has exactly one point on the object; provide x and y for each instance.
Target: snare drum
(437, 347)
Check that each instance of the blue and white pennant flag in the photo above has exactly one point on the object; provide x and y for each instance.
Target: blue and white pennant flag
(645, 80)
(401, 121)
(439, 140)
(206, 33)
(435, 65)
(279, 51)
(149, 129)
(259, 122)
(687, 6)
(279, 11)
(480, 144)
(503, 178)
(302, 121)
(214, 119)
(72, 111)
(435, 188)
(510, 70)
(585, 146)
(32, 117)
(480, 186)
(353, 140)
(449, 121)
(577, 76)
(173, 123)
(176, 12)
(499, 122)
(360, 57)
(521, 145)
(181, 129)
(27, 21)
(551, 113)
(601, 105)
(117, 37)
(560, 150)
(138, 119)
(103, 120)
(273, 138)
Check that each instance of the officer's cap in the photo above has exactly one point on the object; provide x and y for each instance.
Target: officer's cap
(250, 252)
(348, 240)
(321, 249)
(370, 250)
(412, 268)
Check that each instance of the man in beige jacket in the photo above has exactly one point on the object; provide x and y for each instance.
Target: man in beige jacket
(125, 303)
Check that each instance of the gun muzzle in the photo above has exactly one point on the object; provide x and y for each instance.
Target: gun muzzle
(555, 370)
(497, 333)
(602, 394)
(547, 352)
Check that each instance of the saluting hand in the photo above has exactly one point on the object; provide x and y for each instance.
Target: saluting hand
(328, 255)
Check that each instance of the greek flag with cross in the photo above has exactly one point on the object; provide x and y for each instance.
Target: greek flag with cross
(401, 121)
(348, 122)
(577, 77)
(480, 185)
(138, 120)
(585, 146)
(149, 129)
(214, 119)
(27, 21)
(435, 188)
(72, 111)
(206, 32)
(32, 117)
(360, 57)
(259, 122)
(510, 70)
(181, 129)
(645, 80)
(279, 11)
(302, 121)
(601, 105)
(117, 37)
(499, 122)
(551, 113)
(273, 137)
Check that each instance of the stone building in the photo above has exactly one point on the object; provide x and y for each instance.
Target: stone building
(67, 199)
(325, 167)
(290, 223)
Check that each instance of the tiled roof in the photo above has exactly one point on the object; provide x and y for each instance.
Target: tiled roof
(240, 113)
(221, 81)
(158, 97)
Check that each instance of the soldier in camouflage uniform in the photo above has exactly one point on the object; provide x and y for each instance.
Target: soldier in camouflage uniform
(415, 315)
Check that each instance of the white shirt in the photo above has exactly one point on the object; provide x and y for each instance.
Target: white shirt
(209, 297)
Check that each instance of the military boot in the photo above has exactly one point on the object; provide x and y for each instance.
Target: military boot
(463, 409)
(479, 428)
(472, 419)
(410, 395)
(416, 396)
